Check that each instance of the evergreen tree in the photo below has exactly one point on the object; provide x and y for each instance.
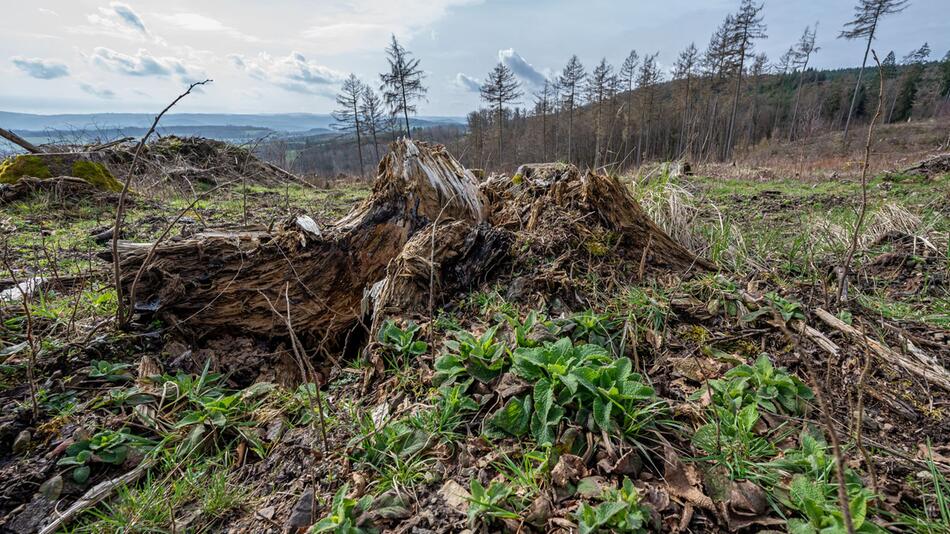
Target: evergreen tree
(601, 86)
(627, 77)
(542, 108)
(371, 109)
(806, 47)
(685, 69)
(402, 85)
(906, 97)
(746, 28)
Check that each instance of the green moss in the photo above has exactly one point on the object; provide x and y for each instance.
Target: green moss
(96, 174)
(516, 179)
(12, 169)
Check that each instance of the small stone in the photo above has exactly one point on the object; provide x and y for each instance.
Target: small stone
(52, 488)
(22, 442)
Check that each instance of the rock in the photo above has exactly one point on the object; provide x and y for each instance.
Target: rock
(302, 514)
(22, 442)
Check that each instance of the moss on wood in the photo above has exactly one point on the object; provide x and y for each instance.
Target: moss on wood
(16, 167)
(96, 174)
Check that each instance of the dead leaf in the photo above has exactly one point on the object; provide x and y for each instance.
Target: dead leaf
(569, 469)
(455, 495)
(683, 481)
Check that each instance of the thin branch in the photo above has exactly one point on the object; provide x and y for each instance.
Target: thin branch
(846, 264)
(120, 315)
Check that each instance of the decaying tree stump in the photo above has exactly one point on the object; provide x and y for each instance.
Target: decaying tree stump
(235, 280)
(427, 232)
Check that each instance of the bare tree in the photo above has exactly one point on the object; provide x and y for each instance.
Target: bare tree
(371, 109)
(747, 27)
(648, 77)
(867, 16)
(570, 81)
(500, 89)
(348, 117)
(402, 85)
(685, 69)
(627, 77)
(542, 107)
(806, 47)
(600, 88)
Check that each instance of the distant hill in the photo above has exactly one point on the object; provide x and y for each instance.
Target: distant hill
(92, 127)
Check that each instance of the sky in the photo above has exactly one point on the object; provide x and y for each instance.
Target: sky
(288, 56)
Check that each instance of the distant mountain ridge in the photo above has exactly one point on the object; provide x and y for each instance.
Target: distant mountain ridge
(280, 122)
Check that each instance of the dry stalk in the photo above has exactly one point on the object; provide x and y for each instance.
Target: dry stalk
(859, 416)
(846, 264)
(120, 315)
(31, 341)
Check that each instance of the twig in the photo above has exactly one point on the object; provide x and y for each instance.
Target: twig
(846, 264)
(95, 495)
(843, 500)
(120, 316)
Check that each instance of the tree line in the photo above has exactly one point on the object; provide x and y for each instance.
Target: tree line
(712, 102)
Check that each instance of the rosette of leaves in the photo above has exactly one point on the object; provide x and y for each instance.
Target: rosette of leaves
(761, 384)
(620, 512)
(346, 515)
(401, 342)
(106, 447)
(583, 383)
(468, 356)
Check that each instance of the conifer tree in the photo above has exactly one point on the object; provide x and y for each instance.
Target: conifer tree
(402, 86)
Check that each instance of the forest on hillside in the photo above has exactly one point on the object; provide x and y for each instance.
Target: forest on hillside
(713, 104)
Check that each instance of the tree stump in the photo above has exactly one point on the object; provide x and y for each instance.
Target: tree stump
(427, 232)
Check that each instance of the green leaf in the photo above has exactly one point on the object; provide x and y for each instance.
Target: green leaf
(602, 410)
(859, 509)
(747, 417)
(81, 474)
(514, 417)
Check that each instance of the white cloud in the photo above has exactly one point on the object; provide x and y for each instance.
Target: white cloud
(201, 23)
(467, 82)
(144, 64)
(117, 20)
(522, 69)
(293, 73)
(97, 91)
(47, 11)
(367, 24)
(43, 69)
